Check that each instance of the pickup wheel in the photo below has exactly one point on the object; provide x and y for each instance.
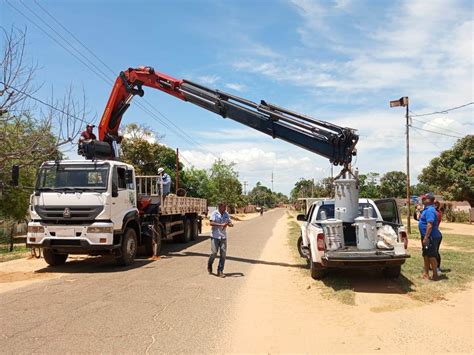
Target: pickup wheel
(195, 228)
(317, 270)
(54, 259)
(154, 242)
(128, 249)
(300, 247)
(392, 272)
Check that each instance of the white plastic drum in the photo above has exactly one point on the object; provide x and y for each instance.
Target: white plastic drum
(333, 233)
(366, 232)
(346, 198)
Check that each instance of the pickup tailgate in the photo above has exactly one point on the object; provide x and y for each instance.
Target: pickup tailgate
(351, 256)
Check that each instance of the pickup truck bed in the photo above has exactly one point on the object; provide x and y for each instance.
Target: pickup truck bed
(351, 256)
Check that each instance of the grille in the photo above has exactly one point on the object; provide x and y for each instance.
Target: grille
(76, 213)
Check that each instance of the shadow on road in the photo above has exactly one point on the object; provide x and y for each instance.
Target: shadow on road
(366, 281)
(242, 260)
(107, 264)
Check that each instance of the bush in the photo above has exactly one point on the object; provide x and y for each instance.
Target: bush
(456, 216)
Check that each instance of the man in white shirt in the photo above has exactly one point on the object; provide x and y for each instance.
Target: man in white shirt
(220, 220)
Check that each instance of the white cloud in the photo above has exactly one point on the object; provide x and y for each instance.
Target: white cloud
(208, 79)
(235, 86)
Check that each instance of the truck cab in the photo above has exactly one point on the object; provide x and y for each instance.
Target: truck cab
(313, 243)
(84, 207)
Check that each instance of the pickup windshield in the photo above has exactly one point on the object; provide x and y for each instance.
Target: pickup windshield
(73, 177)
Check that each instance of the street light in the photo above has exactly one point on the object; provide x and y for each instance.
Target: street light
(403, 102)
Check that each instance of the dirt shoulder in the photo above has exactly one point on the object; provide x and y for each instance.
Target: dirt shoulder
(279, 310)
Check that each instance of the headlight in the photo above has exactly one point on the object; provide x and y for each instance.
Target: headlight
(100, 230)
(35, 229)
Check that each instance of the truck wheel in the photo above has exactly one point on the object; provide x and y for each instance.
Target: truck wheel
(317, 270)
(195, 229)
(54, 259)
(153, 243)
(392, 272)
(188, 231)
(128, 249)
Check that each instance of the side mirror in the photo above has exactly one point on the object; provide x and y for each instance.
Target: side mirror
(301, 217)
(114, 190)
(15, 175)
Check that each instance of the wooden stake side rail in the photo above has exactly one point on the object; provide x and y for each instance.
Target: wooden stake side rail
(149, 187)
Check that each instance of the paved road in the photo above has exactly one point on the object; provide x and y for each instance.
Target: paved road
(169, 305)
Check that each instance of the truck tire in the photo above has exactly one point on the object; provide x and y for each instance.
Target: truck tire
(317, 270)
(153, 243)
(195, 228)
(128, 249)
(392, 272)
(54, 259)
(188, 231)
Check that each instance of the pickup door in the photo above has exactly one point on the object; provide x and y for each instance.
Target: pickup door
(389, 211)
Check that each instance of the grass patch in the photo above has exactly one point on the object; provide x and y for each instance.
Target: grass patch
(19, 251)
(335, 287)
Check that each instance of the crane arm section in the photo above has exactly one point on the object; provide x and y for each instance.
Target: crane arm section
(326, 139)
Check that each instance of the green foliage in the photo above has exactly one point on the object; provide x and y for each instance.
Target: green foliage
(141, 149)
(456, 216)
(263, 196)
(452, 173)
(15, 200)
(393, 184)
(224, 184)
(196, 182)
(369, 187)
(308, 188)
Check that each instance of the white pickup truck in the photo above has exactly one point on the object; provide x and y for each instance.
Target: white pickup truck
(100, 207)
(313, 243)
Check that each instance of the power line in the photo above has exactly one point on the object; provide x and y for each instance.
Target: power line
(42, 102)
(92, 67)
(436, 126)
(441, 134)
(443, 111)
(189, 139)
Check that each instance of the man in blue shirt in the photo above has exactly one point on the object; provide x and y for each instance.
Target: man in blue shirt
(220, 220)
(430, 235)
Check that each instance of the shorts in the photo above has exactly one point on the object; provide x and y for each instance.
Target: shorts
(431, 250)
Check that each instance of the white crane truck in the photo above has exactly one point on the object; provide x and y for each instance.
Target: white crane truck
(105, 210)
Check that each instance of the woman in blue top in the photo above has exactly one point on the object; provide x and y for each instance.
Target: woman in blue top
(430, 236)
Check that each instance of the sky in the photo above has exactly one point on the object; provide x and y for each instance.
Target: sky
(340, 61)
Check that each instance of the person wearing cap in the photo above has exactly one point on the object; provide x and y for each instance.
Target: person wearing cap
(430, 236)
(439, 215)
(165, 180)
(219, 221)
(88, 133)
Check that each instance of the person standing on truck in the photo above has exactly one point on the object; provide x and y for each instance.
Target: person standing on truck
(220, 220)
(86, 135)
(165, 181)
(430, 236)
(438, 214)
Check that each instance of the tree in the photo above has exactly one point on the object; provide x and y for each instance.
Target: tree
(262, 195)
(452, 173)
(224, 184)
(369, 187)
(393, 184)
(17, 120)
(140, 148)
(307, 188)
(196, 182)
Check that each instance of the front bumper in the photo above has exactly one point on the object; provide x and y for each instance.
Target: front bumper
(71, 238)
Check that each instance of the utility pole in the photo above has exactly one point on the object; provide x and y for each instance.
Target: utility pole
(272, 180)
(177, 170)
(403, 101)
(245, 187)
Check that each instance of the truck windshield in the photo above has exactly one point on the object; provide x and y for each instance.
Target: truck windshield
(74, 177)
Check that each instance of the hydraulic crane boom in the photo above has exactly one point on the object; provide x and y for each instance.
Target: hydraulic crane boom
(331, 141)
